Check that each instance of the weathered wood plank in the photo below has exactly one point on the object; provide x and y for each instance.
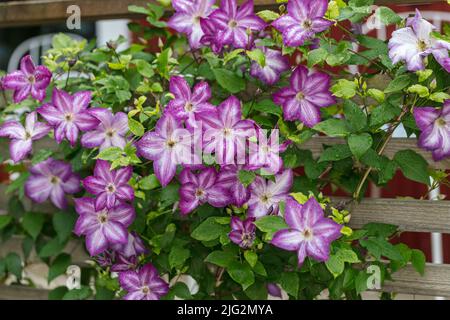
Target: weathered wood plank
(22, 293)
(396, 144)
(32, 12)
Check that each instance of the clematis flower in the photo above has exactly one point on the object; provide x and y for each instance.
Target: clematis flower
(201, 188)
(210, 35)
(109, 186)
(275, 64)
(242, 232)
(22, 137)
(232, 24)
(304, 19)
(435, 127)
(123, 263)
(225, 131)
(266, 195)
(68, 114)
(134, 246)
(102, 228)
(308, 92)
(187, 18)
(414, 42)
(52, 179)
(266, 153)
(145, 284)
(310, 233)
(29, 80)
(186, 103)
(170, 144)
(110, 132)
(229, 178)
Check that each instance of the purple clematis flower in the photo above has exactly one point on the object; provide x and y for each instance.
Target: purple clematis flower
(226, 133)
(110, 132)
(229, 178)
(52, 179)
(274, 290)
(232, 24)
(186, 103)
(310, 232)
(275, 64)
(242, 232)
(201, 188)
(210, 35)
(102, 228)
(134, 246)
(435, 127)
(266, 195)
(187, 18)
(22, 137)
(123, 263)
(68, 114)
(303, 20)
(109, 186)
(28, 80)
(308, 92)
(414, 42)
(169, 145)
(145, 284)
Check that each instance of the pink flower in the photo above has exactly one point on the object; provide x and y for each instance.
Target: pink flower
(242, 232)
(52, 179)
(28, 80)
(22, 137)
(229, 178)
(275, 64)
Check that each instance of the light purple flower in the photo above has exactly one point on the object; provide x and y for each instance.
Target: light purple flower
(229, 178)
(169, 145)
(210, 35)
(110, 132)
(22, 137)
(266, 195)
(123, 263)
(274, 290)
(308, 92)
(134, 246)
(232, 24)
(186, 103)
(28, 80)
(414, 42)
(187, 18)
(145, 284)
(242, 232)
(435, 126)
(310, 233)
(304, 19)
(102, 228)
(109, 186)
(68, 114)
(201, 188)
(52, 179)
(226, 133)
(275, 65)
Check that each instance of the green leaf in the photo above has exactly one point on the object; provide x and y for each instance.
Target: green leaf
(356, 118)
(398, 84)
(418, 261)
(5, 220)
(64, 223)
(413, 166)
(251, 257)
(138, 9)
(41, 155)
(335, 153)
(229, 80)
(209, 230)
(221, 258)
(257, 291)
(271, 224)
(333, 127)
(344, 89)
(59, 266)
(377, 229)
(57, 293)
(246, 177)
(420, 90)
(335, 265)
(268, 15)
(14, 264)
(136, 127)
(232, 55)
(258, 56)
(267, 106)
(289, 281)
(387, 16)
(241, 273)
(359, 143)
(316, 56)
(51, 248)
(376, 94)
(144, 68)
(78, 294)
(33, 223)
(149, 182)
(383, 114)
(178, 256)
(181, 291)
(110, 154)
(381, 247)
(439, 97)
(361, 281)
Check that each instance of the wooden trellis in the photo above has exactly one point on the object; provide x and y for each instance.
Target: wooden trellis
(409, 215)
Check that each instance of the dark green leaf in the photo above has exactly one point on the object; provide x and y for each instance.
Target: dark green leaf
(413, 166)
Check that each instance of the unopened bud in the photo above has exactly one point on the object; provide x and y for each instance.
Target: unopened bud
(347, 218)
(229, 211)
(72, 62)
(111, 45)
(433, 84)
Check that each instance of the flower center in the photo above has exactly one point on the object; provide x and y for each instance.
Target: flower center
(54, 180)
(68, 117)
(31, 79)
(300, 96)
(110, 188)
(265, 198)
(247, 239)
(422, 45)
(307, 234)
(197, 19)
(440, 122)
(27, 135)
(227, 132)
(145, 290)
(188, 106)
(103, 217)
(232, 24)
(199, 193)
(307, 24)
(171, 143)
(110, 133)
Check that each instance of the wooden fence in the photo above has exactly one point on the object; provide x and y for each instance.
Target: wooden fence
(409, 215)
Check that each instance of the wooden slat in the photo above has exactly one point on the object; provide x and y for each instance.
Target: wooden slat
(22, 293)
(408, 215)
(31, 12)
(396, 144)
